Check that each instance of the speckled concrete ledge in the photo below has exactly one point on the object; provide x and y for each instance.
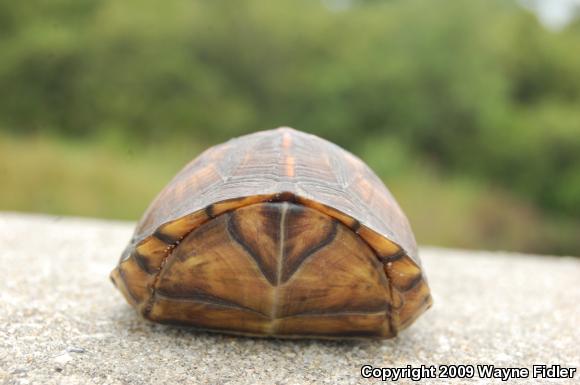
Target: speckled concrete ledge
(62, 322)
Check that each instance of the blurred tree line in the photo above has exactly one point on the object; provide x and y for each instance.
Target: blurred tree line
(474, 87)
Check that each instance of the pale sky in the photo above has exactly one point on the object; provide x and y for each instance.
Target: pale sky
(554, 14)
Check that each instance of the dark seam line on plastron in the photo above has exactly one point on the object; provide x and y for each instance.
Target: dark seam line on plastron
(308, 253)
(341, 335)
(169, 251)
(209, 300)
(232, 231)
(378, 310)
(390, 309)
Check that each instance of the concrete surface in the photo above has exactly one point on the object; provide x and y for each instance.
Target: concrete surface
(62, 322)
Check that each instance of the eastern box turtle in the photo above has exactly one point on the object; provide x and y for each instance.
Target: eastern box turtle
(277, 233)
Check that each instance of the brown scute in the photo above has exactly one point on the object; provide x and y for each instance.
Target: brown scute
(133, 281)
(412, 296)
(417, 301)
(404, 274)
(209, 262)
(239, 272)
(193, 297)
(232, 204)
(208, 316)
(120, 284)
(380, 244)
(168, 239)
(144, 263)
(371, 325)
(344, 275)
(176, 229)
(347, 220)
(392, 258)
(151, 253)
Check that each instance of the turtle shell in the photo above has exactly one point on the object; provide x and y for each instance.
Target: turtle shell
(277, 233)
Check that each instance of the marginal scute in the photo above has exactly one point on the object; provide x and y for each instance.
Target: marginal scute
(133, 281)
(147, 265)
(417, 300)
(404, 274)
(411, 294)
(338, 215)
(219, 208)
(177, 228)
(120, 284)
(152, 251)
(382, 245)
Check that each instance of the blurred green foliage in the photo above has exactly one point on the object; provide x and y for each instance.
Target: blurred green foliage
(477, 90)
